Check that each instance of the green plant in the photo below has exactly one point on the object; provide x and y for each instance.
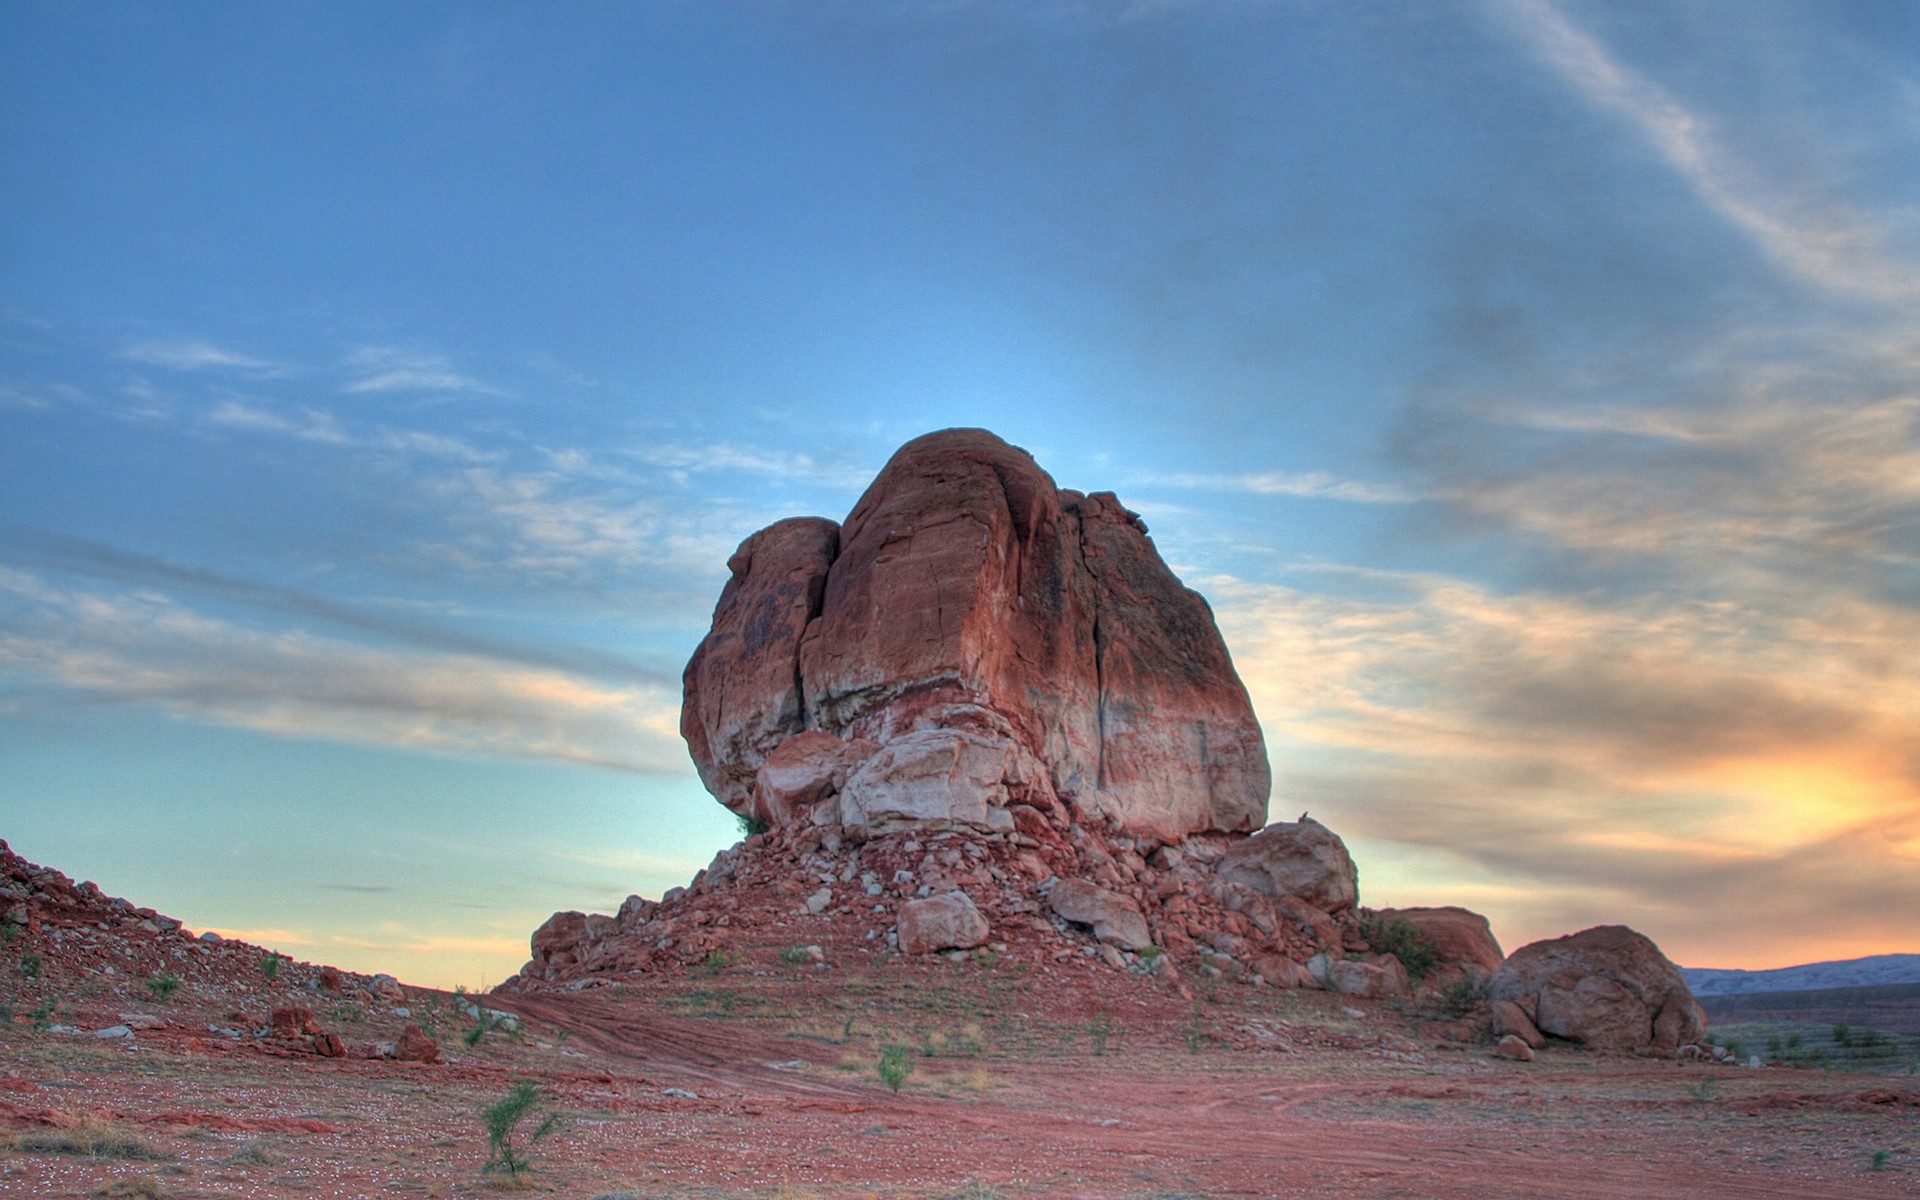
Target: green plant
(1099, 1031)
(795, 956)
(31, 965)
(1843, 1035)
(751, 826)
(270, 964)
(1150, 957)
(715, 963)
(483, 1025)
(1399, 938)
(503, 1119)
(1195, 1030)
(43, 1015)
(895, 1066)
(163, 987)
(846, 1029)
(1703, 1090)
(1878, 1160)
(10, 931)
(1464, 995)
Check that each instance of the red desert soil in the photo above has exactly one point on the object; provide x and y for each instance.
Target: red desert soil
(757, 1077)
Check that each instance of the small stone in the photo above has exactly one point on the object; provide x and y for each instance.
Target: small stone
(1515, 1048)
(114, 1031)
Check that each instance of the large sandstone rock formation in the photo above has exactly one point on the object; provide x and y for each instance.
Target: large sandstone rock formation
(972, 640)
(1607, 987)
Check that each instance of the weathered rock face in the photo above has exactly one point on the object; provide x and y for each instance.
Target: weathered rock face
(979, 639)
(742, 698)
(1303, 859)
(1607, 987)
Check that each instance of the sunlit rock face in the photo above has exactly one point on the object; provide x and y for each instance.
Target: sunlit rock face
(972, 640)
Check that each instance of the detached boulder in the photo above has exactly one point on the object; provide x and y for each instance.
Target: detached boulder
(415, 1046)
(949, 921)
(1462, 941)
(1607, 987)
(1301, 858)
(1116, 919)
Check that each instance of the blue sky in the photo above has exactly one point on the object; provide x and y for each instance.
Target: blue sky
(1533, 388)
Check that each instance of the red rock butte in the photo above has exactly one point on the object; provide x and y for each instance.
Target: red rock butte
(972, 640)
(982, 712)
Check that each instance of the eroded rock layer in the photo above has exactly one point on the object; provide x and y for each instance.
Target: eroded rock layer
(974, 639)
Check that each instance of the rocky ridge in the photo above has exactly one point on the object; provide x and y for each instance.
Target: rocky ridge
(158, 972)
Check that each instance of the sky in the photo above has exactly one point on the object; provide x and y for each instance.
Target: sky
(1532, 387)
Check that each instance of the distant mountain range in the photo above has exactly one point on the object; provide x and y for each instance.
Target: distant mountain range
(1854, 972)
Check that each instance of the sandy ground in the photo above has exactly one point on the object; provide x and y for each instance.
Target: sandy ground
(1069, 1082)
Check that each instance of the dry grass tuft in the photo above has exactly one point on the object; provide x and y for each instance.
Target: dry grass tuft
(86, 1135)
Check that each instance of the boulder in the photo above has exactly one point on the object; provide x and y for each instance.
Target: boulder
(1462, 941)
(1116, 919)
(1515, 1048)
(1303, 859)
(1607, 987)
(1510, 1020)
(294, 1022)
(415, 1046)
(805, 769)
(1380, 978)
(1036, 630)
(949, 921)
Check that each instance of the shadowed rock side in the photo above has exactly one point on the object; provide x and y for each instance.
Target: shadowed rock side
(975, 638)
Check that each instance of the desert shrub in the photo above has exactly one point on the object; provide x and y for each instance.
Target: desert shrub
(270, 964)
(43, 1014)
(714, 963)
(1843, 1035)
(1878, 1160)
(895, 1066)
(507, 1146)
(86, 1137)
(1100, 1031)
(163, 987)
(1195, 1030)
(795, 956)
(10, 931)
(1704, 1089)
(484, 1023)
(751, 826)
(31, 965)
(1399, 938)
(1464, 995)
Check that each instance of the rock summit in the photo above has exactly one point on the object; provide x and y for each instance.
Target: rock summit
(972, 641)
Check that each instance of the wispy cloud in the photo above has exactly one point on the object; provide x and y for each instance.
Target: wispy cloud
(142, 648)
(1309, 485)
(188, 355)
(308, 424)
(721, 456)
(45, 550)
(392, 369)
(1819, 238)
